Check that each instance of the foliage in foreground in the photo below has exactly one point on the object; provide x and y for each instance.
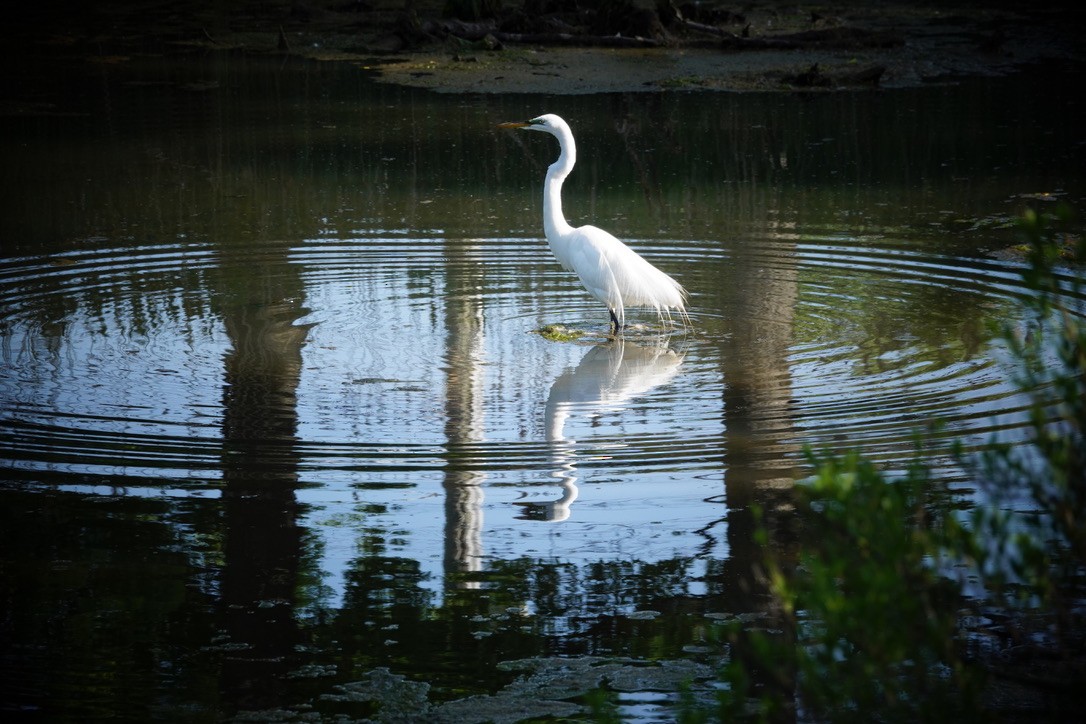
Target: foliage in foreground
(874, 619)
(1040, 557)
(871, 620)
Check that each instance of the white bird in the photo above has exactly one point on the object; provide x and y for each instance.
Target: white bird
(612, 272)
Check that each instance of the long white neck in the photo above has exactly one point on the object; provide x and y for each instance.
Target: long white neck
(554, 222)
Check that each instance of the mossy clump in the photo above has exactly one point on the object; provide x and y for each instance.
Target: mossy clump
(558, 333)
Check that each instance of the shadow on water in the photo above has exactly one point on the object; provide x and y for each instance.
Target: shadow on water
(261, 535)
(278, 438)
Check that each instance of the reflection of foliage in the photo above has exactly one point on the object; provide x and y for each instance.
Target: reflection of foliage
(875, 623)
(391, 618)
(890, 321)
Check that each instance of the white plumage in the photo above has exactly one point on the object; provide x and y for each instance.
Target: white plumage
(612, 272)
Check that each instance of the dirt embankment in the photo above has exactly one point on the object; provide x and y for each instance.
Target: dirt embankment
(582, 46)
(762, 46)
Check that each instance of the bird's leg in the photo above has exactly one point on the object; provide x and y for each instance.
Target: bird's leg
(616, 327)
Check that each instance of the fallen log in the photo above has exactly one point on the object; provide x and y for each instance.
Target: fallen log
(594, 41)
(841, 37)
(472, 32)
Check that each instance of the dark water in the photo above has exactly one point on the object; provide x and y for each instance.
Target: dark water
(274, 420)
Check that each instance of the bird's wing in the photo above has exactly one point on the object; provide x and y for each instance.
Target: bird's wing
(589, 256)
(562, 249)
(617, 275)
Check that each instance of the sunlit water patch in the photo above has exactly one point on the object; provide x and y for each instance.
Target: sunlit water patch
(401, 371)
(414, 354)
(105, 357)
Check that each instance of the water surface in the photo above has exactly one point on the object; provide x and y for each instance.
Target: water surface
(273, 414)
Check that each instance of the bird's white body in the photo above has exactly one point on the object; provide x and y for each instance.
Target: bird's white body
(612, 272)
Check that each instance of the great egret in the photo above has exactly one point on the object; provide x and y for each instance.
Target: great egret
(612, 272)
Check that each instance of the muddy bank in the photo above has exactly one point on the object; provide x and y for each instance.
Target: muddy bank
(576, 46)
(765, 47)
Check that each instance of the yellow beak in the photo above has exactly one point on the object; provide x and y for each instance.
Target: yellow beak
(514, 124)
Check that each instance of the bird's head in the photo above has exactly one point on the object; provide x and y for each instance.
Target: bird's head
(548, 123)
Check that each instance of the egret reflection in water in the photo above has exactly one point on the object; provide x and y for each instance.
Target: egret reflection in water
(609, 376)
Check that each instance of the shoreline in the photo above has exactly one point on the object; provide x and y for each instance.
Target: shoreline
(770, 46)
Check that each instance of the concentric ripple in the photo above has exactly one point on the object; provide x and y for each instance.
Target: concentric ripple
(385, 361)
(902, 340)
